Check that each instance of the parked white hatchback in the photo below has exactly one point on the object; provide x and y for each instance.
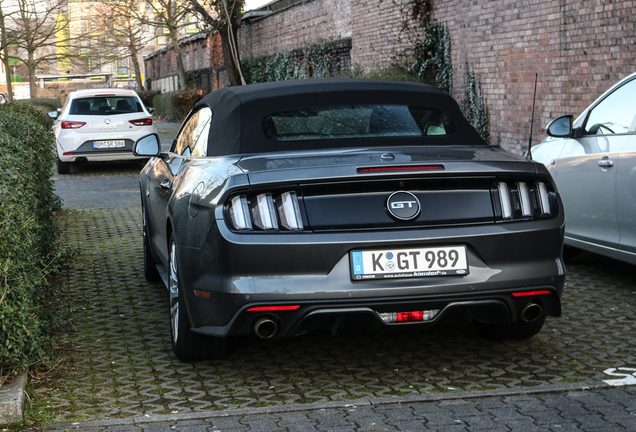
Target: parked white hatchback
(99, 125)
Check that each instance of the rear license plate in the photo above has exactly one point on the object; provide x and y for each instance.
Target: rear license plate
(109, 144)
(408, 263)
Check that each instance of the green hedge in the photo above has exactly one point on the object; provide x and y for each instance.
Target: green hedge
(29, 250)
(42, 106)
(175, 106)
(146, 97)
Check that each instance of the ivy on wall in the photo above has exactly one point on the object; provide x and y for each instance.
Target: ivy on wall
(432, 56)
(311, 62)
(474, 106)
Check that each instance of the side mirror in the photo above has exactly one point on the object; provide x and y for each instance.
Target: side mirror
(150, 109)
(560, 127)
(147, 146)
(53, 114)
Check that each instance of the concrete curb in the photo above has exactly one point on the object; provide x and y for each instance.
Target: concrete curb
(434, 397)
(12, 400)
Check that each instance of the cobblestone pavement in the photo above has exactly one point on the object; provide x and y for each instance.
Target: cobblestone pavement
(125, 368)
(600, 411)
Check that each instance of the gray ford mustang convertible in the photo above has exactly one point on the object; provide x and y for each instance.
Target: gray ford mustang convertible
(288, 207)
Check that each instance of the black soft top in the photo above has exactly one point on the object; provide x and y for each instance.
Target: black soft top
(238, 113)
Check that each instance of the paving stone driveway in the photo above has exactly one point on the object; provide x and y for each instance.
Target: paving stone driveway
(125, 365)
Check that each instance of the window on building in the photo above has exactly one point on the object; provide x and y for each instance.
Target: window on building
(122, 67)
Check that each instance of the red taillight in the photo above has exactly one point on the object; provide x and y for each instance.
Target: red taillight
(401, 168)
(409, 316)
(72, 124)
(530, 293)
(142, 122)
(272, 308)
(69, 154)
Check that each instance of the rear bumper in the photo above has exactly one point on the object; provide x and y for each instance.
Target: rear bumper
(313, 271)
(495, 307)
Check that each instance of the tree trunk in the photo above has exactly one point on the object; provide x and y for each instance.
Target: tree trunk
(5, 56)
(174, 37)
(32, 82)
(135, 60)
(231, 67)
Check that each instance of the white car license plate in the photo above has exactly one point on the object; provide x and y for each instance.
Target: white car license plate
(109, 144)
(408, 263)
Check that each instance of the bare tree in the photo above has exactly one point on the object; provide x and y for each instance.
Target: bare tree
(119, 32)
(169, 16)
(36, 30)
(224, 16)
(5, 53)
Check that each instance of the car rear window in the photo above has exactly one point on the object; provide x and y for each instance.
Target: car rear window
(106, 105)
(357, 121)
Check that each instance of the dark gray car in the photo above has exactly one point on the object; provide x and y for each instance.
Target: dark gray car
(288, 207)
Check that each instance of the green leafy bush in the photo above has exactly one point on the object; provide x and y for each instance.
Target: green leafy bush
(474, 106)
(147, 97)
(175, 106)
(29, 250)
(311, 62)
(43, 106)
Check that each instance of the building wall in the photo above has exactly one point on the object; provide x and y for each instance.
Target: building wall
(376, 38)
(303, 24)
(578, 48)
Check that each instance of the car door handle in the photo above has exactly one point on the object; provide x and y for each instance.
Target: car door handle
(605, 163)
(166, 184)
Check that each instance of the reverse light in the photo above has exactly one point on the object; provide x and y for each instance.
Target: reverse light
(544, 199)
(141, 122)
(240, 213)
(504, 197)
(72, 124)
(264, 212)
(412, 316)
(289, 212)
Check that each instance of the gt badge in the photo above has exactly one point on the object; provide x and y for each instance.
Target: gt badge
(403, 206)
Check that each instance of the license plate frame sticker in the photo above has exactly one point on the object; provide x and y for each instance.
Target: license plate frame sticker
(108, 144)
(408, 263)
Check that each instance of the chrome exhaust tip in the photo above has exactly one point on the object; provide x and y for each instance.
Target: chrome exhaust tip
(265, 327)
(531, 312)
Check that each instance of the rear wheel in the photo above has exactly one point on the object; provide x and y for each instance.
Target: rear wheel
(150, 266)
(63, 167)
(510, 331)
(186, 344)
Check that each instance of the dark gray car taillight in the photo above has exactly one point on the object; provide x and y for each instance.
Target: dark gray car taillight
(266, 211)
(523, 200)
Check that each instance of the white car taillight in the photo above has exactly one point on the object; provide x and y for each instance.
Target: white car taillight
(72, 124)
(240, 213)
(141, 122)
(289, 212)
(544, 199)
(524, 195)
(504, 197)
(264, 212)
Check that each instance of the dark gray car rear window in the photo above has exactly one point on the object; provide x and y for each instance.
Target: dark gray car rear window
(105, 105)
(357, 121)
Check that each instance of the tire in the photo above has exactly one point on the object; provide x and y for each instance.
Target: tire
(186, 344)
(510, 331)
(150, 266)
(63, 167)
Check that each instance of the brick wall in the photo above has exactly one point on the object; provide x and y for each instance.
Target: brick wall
(376, 33)
(298, 26)
(579, 48)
